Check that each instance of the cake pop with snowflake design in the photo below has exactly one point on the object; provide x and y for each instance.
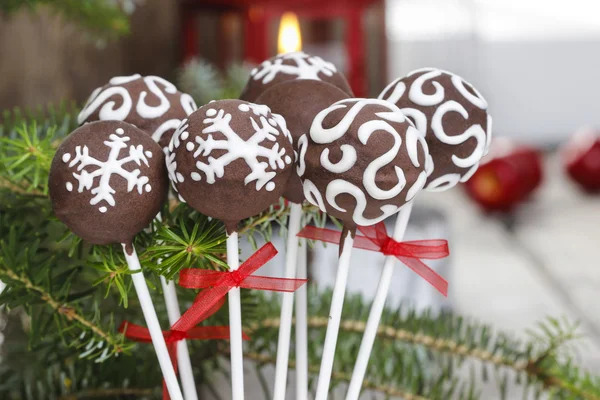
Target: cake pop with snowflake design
(108, 181)
(236, 154)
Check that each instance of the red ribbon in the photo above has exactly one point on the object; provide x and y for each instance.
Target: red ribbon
(410, 253)
(142, 334)
(218, 284)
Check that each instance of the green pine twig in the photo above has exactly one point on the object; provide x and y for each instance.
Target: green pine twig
(64, 309)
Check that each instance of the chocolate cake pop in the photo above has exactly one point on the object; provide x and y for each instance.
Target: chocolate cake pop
(231, 159)
(289, 66)
(452, 115)
(108, 181)
(298, 102)
(151, 103)
(362, 161)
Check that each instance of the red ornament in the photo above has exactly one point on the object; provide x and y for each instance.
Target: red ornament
(581, 158)
(507, 179)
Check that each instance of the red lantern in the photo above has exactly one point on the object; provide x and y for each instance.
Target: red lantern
(507, 178)
(581, 158)
(258, 15)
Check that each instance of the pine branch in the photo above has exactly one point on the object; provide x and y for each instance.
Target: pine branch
(62, 117)
(539, 363)
(63, 309)
(25, 160)
(532, 367)
(314, 369)
(204, 82)
(103, 393)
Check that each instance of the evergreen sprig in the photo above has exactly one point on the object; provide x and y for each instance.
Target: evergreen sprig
(420, 355)
(204, 82)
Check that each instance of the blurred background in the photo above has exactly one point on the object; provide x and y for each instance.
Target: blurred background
(535, 60)
(524, 232)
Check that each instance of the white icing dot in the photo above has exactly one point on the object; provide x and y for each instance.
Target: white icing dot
(181, 199)
(120, 131)
(179, 177)
(244, 107)
(103, 209)
(148, 153)
(288, 159)
(69, 186)
(189, 146)
(272, 122)
(148, 188)
(196, 176)
(211, 112)
(66, 157)
(270, 186)
(186, 134)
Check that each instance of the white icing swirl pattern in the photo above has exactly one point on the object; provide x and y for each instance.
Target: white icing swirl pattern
(104, 101)
(380, 122)
(414, 102)
(104, 170)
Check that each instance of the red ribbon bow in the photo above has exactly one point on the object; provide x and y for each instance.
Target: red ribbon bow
(220, 283)
(410, 253)
(142, 334)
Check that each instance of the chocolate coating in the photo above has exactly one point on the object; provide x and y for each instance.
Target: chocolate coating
(289, 66)
(231, 160)
(452, 115)
(298, 102)
(362, 161)
(151, 103)
(108, 181)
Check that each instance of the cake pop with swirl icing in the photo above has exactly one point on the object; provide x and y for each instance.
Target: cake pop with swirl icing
(151, 103)
(452, 115)
(362, 161)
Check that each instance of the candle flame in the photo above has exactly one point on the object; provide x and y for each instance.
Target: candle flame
(289, 39)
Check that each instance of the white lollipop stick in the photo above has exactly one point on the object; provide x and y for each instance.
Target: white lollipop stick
(285, 324)
(366, 345)
(301, 327)
(335, 315)
(183, 354)
(158, 340)
(235, 323)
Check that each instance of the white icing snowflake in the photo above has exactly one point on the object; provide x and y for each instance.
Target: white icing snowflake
(307, 67)
(103, 192)
(218, 121)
